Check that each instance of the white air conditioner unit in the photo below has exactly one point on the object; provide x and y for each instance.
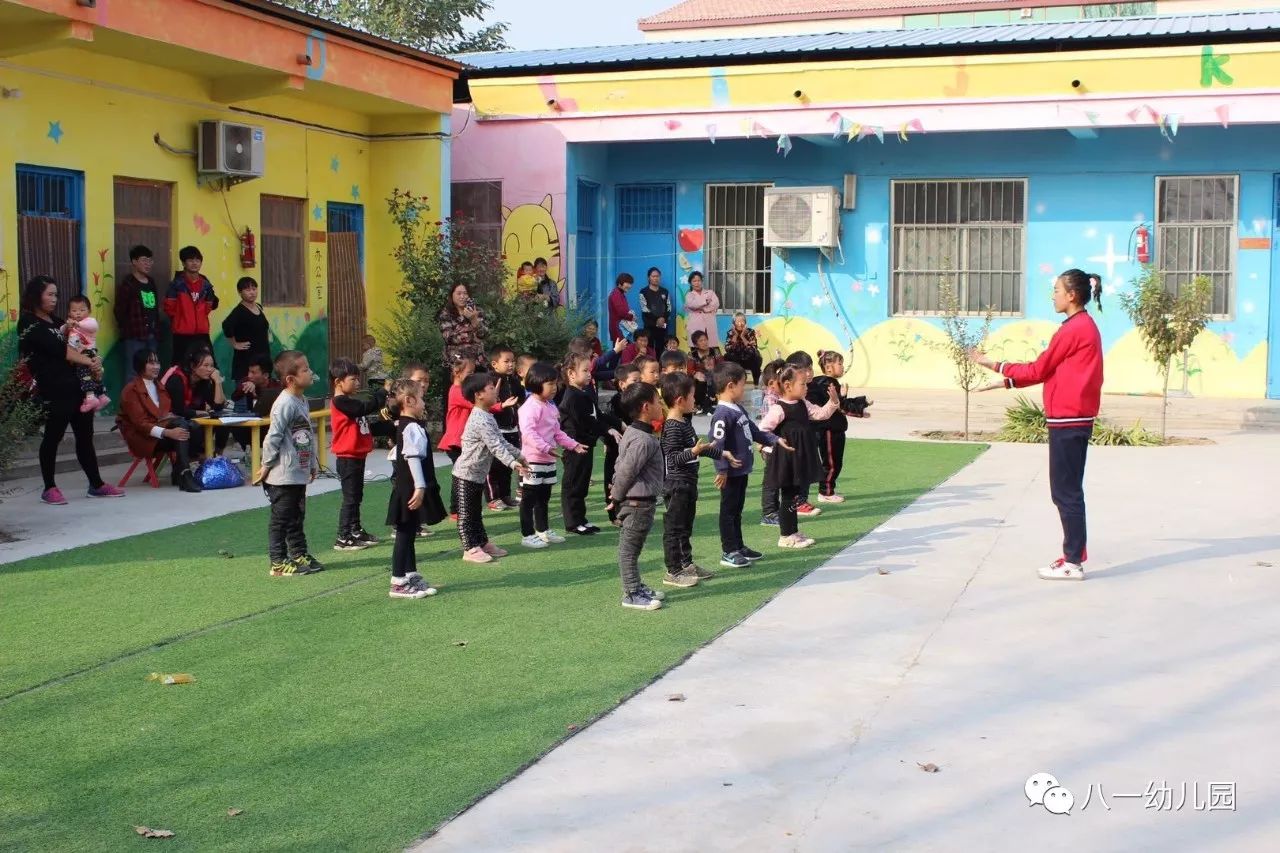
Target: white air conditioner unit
(801, 217)
(232, 150)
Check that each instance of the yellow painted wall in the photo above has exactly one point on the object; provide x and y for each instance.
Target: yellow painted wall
(108, 111)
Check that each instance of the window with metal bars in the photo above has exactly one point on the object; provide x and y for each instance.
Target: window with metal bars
(646, 209)
(1196, 233)
(739, 267)
(284, 251)
(476, 208)
(969, 232)
(51, 228)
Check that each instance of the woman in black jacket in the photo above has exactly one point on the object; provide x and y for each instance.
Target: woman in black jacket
(42, 343)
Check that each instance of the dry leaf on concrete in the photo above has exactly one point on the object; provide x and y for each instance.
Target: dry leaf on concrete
(1263, 563)
(676, 697)
(928, 768)
(148, 832)
(882, 571)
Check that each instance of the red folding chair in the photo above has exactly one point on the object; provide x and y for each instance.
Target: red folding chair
(152, 463)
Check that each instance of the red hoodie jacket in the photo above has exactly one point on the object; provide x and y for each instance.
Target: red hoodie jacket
(189, 303)
(348, 417)
(1071, 370)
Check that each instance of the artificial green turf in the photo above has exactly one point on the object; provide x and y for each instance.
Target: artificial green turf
(337, 718)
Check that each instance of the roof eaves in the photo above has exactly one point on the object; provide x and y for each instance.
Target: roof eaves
(275, 9)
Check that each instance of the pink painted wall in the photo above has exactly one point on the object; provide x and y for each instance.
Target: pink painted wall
(530, 161)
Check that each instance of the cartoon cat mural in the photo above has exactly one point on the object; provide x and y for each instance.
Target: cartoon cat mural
(529, 232)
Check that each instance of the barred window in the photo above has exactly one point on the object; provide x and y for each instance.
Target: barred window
(284, 251)
(739, 266)
(971, 232)
(1196, 233)
(477, 205)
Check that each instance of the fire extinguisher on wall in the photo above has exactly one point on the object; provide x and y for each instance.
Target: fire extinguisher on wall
(1143, 239)
(248, 250)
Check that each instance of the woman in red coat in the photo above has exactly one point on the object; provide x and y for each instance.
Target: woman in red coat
(147, 422)
(619, 308)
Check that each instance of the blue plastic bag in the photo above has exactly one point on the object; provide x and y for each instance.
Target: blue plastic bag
(219, 473)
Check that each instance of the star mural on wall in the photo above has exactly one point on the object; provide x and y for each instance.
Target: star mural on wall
(1110, 258)
(317, 213)
(55, 132)
(355, 192)
(334, 163)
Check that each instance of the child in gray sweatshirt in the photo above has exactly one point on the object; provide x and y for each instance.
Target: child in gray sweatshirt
(638, 482)
(482, 442)
(289, 463)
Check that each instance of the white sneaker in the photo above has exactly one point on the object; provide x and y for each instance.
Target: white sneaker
(830, 499)
(1061, 570)
(551, 537)
(534, 541)
(794, 541)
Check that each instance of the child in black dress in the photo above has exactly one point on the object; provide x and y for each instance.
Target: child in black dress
(791, 419)
(415, 495)
(831, 432)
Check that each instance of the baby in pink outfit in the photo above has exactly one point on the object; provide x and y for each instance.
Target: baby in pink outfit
(82, 336)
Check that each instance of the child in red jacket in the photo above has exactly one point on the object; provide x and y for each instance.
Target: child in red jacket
(189, 303)
(1071, 370)
(349, 418)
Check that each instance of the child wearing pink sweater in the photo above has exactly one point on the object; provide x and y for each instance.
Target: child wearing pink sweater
(540, 435)
(81, 333)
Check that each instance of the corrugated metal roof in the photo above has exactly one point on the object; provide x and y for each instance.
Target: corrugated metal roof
(719, 12)
(1073, 35)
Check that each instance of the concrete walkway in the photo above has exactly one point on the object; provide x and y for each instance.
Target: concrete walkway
(805, 726)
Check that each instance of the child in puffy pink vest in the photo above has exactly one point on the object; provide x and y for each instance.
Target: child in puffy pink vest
(81, 332)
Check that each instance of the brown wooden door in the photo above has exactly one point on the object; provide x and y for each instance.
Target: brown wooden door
(144, 216)
(346, 296)
(50, 246)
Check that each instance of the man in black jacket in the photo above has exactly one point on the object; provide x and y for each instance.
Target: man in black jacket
(655, 309)
(137, 308)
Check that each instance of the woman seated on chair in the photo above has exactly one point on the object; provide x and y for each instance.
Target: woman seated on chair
(195, 389)
(147, 422)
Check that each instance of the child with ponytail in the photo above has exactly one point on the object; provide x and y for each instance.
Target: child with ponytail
(1071, 370)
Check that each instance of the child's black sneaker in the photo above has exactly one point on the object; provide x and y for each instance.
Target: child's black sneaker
(699, 572)
(734, 560)
(682, 579)
(769, 520)
(424, 532)
(591, 527)
(366, 538)
(586, 530)
(403, 588)
(288, 569)
(653, 593)
(639, 601)
(511, 503)
(750, 554)
(310, 563)
(348, 543)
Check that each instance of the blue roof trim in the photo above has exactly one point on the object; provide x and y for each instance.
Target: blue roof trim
(1251, 26)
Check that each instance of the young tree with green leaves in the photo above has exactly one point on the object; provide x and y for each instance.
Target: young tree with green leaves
(963, 336)
(1168, 322)
(436, 26)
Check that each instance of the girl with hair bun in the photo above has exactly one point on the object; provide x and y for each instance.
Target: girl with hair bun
(1071, 370)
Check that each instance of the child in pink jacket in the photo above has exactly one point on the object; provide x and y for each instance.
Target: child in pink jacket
(540, 433)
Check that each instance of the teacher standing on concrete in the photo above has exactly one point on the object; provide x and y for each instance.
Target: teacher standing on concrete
(701, 306)
(655, 307)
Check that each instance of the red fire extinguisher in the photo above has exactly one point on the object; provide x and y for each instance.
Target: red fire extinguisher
(248, 250)
(1144, 244)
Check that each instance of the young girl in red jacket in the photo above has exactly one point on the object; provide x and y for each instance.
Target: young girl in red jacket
(1071, 370)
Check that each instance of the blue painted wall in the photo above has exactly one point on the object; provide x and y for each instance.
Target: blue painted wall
(1081, 193)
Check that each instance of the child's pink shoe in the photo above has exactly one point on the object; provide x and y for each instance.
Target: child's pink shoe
(90, 404)
(103, 401)
(476, 555)
(493, 550)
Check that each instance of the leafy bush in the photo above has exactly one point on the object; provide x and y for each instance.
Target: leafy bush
(1024, 423)
(20, 418)
(435, 256)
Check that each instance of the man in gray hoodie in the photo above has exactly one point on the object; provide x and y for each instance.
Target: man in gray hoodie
(637, 483)
(289, 463)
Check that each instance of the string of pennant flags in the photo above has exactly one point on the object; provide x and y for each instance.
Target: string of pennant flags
(855, 131)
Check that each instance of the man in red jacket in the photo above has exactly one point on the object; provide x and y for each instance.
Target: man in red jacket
(189, 303)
